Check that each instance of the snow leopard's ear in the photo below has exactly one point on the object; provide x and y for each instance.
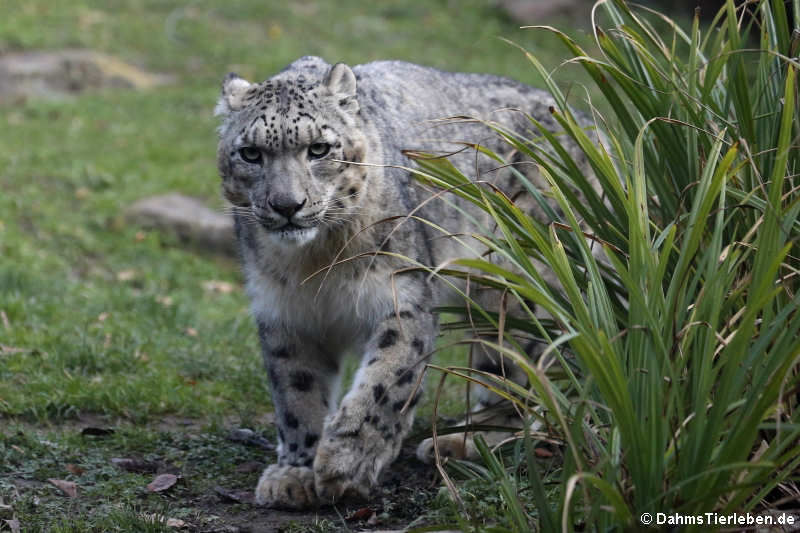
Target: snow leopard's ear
(341, 82)
(233, 90)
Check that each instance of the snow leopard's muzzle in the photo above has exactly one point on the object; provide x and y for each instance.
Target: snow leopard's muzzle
(287, 217)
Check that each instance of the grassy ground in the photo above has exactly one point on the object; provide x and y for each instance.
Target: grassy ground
(104, 325)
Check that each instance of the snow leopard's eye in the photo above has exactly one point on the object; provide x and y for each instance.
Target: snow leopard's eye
(317, 150)
(250, 154)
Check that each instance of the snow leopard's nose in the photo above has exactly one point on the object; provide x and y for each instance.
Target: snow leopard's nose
(286, 205)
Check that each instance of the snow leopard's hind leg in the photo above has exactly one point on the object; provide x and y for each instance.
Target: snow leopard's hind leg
(487, 408)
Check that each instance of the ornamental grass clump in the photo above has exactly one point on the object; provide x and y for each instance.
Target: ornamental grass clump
(672, 378)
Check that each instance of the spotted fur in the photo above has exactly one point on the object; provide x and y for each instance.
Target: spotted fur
(321, 251)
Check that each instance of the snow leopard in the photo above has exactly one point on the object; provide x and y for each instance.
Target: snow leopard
(330, 223)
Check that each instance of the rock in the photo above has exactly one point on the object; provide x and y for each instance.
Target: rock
(52, 73)
(186, 218)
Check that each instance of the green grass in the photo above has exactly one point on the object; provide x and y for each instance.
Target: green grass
(70, 169)
(105, 321)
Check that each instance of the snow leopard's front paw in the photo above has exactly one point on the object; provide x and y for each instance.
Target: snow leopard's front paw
(290, 487)
(349, 464)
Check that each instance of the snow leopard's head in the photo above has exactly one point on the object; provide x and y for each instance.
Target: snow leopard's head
(286, 146)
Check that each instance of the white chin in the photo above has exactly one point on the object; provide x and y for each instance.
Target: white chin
(294, 237)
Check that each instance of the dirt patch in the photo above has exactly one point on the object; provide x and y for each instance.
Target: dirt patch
(50, 73)
(405, 491)
(212, 471)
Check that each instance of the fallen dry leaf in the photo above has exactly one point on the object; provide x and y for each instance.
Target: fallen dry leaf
(162, 482)
(18, 449)
(74, 469)
(214, 285)
(275, 31)
(126, 275)
(103, 316)
(191, 332)
(67, 487)
(542, 452)
(237, 496)
(140, 236)
(361, 514)
(13, 524)
(4, 318)
(134, 465)
(176, 523)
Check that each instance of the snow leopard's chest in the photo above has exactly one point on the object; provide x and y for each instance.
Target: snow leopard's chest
(337, 308)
